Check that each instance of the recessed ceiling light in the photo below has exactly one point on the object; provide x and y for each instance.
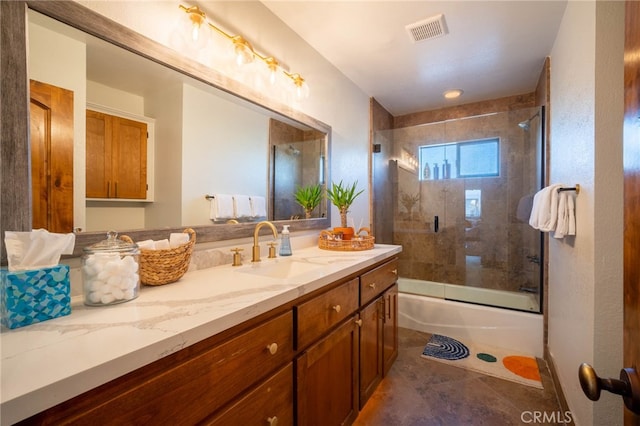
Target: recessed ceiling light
(452, 94)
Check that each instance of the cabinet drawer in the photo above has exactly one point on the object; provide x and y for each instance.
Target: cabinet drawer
(377, 280)
(319, 314)
(197, 387)
(269, 403)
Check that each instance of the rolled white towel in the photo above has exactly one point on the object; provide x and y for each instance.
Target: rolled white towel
(177, 239)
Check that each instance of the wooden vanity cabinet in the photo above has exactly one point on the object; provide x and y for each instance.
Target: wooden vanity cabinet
(313, 361)
(116, 157)
(190, 385)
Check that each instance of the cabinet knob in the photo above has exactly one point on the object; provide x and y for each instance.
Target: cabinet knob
(373, 286)
(272, 348)
(273, 421)
(359, 322)
(337, 308)
(395, 272)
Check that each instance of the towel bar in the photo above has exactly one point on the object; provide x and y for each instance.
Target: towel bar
(575, 188)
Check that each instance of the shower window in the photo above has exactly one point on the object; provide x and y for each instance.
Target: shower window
(470, 159)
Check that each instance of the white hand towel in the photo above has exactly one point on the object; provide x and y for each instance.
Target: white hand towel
(562, 227)
(176, 239)
(544, 213)
(242, 205)
(221, 207)
(572, 216)
(258, 206)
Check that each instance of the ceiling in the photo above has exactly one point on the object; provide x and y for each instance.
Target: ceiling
(492, 48)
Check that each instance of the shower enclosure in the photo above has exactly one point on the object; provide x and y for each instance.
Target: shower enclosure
(457, 196)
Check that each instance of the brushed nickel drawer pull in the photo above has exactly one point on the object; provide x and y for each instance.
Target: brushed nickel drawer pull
(337, 308)
(272, 348)
(273, 421)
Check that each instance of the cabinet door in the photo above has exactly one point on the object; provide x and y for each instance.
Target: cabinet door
(327, 379)
(98, 155)
(116, 157)
(371, 342)
(390, 330)
(129, 158)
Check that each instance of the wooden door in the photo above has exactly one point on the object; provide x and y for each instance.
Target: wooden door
(390, 327)
(51, 144)
(371, 342)
(327, 379)
(631, 144)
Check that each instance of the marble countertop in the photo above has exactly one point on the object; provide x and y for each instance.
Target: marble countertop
(47, 363)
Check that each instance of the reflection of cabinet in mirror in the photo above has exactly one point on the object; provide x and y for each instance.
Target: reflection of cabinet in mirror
(116, 157)
(51, 142)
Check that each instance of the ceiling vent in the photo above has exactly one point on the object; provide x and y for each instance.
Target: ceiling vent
(426, 29)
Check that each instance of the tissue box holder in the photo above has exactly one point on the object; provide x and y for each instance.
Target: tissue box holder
(35, 295)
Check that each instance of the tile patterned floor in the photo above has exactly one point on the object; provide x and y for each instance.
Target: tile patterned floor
(418, 392)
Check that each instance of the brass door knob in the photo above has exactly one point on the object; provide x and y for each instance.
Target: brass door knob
(628, 386)
(273, 421)
(337, 308)
(359, 322)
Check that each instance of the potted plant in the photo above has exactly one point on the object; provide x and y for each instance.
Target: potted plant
(309, 197)
(342, 196)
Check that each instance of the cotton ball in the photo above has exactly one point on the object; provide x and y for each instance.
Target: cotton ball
(96, 285)
(95, 297)
(107, 298)
(104, 275)
(114, 280)
(113, 266)
(89, 270)
(90, 261)
(117, 293)
(129, 294)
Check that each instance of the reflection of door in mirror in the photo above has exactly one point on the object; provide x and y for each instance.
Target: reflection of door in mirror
(51, 110)
(297, 161)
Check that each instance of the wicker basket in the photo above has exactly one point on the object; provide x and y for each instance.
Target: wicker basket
(359, 242)
(158, 267)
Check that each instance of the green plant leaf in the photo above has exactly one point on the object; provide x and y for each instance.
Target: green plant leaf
(309, 196)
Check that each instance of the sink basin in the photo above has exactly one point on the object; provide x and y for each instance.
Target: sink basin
(282, 269)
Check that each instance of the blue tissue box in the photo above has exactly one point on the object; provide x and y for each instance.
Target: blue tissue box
(35, 295)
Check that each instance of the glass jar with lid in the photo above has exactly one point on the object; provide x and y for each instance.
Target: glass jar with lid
(110, 271)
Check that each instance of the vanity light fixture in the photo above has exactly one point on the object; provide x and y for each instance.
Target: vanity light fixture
(453, 93)
(245, 53)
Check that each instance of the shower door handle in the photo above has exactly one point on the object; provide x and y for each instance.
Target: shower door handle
(436, 224)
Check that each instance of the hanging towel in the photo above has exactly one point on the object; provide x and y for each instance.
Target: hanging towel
(523, 212)
(258, 206)
(242, 205)
(566, 216)
(221, 207)
(544, 213)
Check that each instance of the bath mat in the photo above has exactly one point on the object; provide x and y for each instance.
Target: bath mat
(496, 362)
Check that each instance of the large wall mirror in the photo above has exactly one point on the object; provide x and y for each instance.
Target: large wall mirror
(207, 134)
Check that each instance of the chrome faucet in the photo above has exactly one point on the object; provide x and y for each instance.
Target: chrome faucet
(256, 246)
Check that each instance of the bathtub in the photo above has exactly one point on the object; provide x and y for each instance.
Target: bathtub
(476, 324)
